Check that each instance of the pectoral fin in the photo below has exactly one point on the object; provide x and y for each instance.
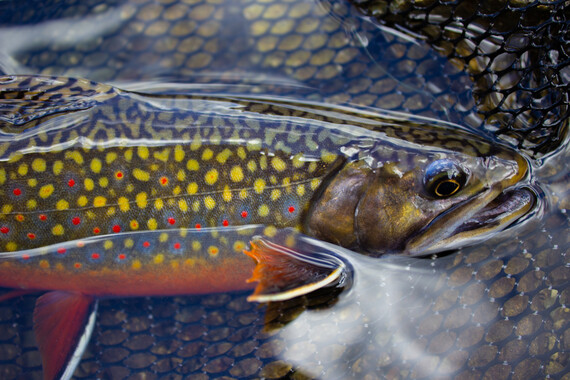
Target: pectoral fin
(63, 323)
(284, 273)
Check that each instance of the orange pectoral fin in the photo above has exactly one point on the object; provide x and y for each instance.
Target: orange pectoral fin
(63, 323)
(284, 273)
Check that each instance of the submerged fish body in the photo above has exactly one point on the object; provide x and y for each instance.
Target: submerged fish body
(110, 193)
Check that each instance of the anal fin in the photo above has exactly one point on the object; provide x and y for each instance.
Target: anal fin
(63, 323)
(284, 273)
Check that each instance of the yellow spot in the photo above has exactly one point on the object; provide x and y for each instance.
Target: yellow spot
(278, 164)
(142, 152)
(123, 204)
(23, 169)
(57, 230)
(241, 153)
(62, 204)
(227, 194)
(130, 188)
(286, 181)
(108, 244)
(82, 201)
(275, 194)
(128, 155)
(110, 157)
(207, 154)
(46, 191)
(251, 166)
(141, 200)
(328, 157)
(158, 204)
(243, 193)
(111, 211)
(129, 243)
(32, 182)
(270, 231)
(192, 188)
(163, 237)
(90, 214)
(263, 210)
(259, 185)
(134, 225)
(158, 259)
(11, 246)
(183, 205)
(162, 156)
(213, 251)
(99, 201)
(141, 175)
(192, 165)
(89, 184)
(59, 266)
(236, 174)
(315, 182)
(31, 204)
(2, 175)
(298, 160)
(75, 156)
(239, 246)
(301, 190)
(96, 165)
(196, 206)
(196, 246)
(6, 209)
(136, 264)
(57, 167)
(174, 264)
(178, 153)
(152, 224)
(209, 202)
(312, 167)
(211, 176)
(190, 262)
(44, 264)
(223, 156)
(263, 162)
(181, 175)
(177, 190)
(103, 182)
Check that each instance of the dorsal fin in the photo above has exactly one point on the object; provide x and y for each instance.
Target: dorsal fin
(63, 323)
(25, 98)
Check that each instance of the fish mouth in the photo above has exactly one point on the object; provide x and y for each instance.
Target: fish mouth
(473, 220)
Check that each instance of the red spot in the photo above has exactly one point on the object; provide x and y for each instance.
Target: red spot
(96, 230)
(122, 256)
(71, 183)
(25, 256)
(95, 256)
(43, 217)
(20, 218)
(146, 244)
(4, 230)
(61, 251)
(176, 245)
(225, 223)
(17, 192)
(171, 220)
(116, 228)
(77, 265)
(291, 209)
(163, 181)
(76, 221)
(198, 226)
(244, 214)
(31, 236)
(119, 175)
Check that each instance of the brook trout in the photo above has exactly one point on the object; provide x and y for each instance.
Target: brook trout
(86, 168)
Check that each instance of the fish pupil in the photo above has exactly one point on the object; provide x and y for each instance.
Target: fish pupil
(446, 188)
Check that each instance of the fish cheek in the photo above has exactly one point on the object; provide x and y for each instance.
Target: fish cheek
(331, 216)
(388, 215)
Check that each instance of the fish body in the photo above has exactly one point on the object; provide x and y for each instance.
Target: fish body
(107, 193)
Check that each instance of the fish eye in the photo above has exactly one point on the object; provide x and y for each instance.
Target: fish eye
(443, 178)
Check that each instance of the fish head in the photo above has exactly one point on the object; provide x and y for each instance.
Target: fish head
(417, 201)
